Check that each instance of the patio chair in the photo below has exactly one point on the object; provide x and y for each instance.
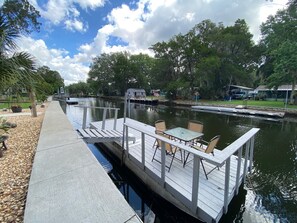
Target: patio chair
(195, 126)
(160, 127)
(209, 149)
(170, 150)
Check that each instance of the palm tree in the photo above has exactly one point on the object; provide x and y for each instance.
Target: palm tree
(18, 69)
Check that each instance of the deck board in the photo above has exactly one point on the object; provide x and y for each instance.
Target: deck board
(211, 191)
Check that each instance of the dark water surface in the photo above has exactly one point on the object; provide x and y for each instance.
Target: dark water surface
(270, 192)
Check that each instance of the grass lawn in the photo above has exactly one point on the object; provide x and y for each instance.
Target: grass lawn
(7, 105)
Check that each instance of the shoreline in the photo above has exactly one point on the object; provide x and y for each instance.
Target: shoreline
(289, 113)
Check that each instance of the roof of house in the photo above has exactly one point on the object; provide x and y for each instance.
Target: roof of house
(135, 90)
(241, 87)
(285, 87)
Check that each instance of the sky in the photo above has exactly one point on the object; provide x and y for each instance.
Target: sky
(75, 31)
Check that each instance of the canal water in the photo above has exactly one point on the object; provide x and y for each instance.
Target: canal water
(270, 192)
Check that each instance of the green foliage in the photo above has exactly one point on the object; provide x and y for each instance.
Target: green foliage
(207, 58)
(21, 16)
(279, 38)
(52, 80)
(80, 89)
(112, 74)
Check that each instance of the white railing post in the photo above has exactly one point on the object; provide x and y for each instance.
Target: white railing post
(238, 169)
(163, 163)
(247, 150)
(143, 150)
(227, 181)
(252, 153)
(125, 113)
(115, 119)
(195, 183)
(104, 118)
(84, 118)
(127, 141)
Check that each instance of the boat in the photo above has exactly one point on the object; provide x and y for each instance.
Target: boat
(71, 102)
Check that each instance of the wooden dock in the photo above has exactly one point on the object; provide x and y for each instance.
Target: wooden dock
(185, 187)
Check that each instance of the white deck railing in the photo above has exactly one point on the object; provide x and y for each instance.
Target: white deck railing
(243, 145)
(105, 109)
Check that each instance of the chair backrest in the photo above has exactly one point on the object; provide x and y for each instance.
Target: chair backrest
(168, 147)
(160, 126)
(195, 126)
(212, 144)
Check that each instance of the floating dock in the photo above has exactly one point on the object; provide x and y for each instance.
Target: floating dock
(185, 187)
(240, 111)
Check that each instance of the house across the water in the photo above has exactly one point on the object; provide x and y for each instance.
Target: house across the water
(136, 93)
(139, 96)
(282, 92)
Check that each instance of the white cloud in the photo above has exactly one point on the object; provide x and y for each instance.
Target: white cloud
(71, 69)
(58, 11)
(159, 20)
(146, 23)
(76, 25)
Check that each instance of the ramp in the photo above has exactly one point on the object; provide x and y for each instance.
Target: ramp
(91, 135)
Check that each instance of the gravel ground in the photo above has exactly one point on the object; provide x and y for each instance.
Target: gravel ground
(16, 164)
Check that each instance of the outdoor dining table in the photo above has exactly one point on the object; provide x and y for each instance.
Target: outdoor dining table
(183, 134)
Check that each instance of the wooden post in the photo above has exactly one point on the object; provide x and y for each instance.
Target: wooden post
(227, 181)
(143, 150)
(238, 169)
(84, 118)
(163, 163)
(195, 183)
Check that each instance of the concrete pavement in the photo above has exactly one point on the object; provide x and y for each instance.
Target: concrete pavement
(67, 183)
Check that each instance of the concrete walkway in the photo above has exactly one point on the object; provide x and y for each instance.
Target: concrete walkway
(67, 183)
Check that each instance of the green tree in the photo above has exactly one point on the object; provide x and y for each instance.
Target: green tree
(279, 38)
(21, 16)
(17, 17)
(209, 57)
(101, 74)
(142, 65)
(53, 80)
(80, 89)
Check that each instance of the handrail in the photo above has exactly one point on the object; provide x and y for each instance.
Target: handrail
(246, 142)
(104, 115)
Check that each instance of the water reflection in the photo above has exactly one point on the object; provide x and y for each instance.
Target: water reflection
(270, 193)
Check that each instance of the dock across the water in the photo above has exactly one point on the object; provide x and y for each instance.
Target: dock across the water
(184, 186)
(240, 111)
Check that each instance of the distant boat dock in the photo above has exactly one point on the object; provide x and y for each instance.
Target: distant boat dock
(240, 111)
(184, 186)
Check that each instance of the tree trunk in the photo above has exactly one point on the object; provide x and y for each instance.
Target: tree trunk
(33, 102)
(293, 91)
